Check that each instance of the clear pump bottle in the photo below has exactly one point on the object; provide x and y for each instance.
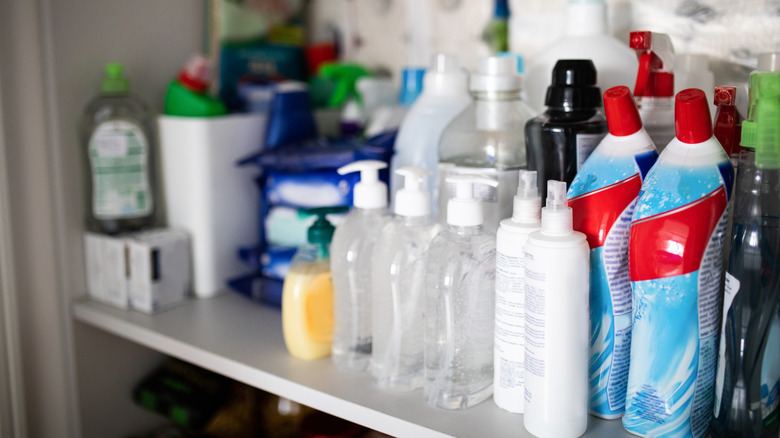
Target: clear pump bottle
(398, 286)
(459, 303)
(487, 138)
(350, 262)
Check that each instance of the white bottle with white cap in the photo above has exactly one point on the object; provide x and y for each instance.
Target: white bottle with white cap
(557, 328)
(445, 94)
(488, 138)
(509, 345)
(350, 264)
(459, 303)
(398, 286)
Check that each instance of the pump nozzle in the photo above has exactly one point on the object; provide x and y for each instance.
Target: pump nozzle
(527, 202)
(464, 209)
(556, 215)
(370, 192)
(321, 231)
(413, 199)
(655, 77)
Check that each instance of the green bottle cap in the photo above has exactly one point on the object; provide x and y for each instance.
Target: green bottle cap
(765, 110)
(321, 231)
(115, 82)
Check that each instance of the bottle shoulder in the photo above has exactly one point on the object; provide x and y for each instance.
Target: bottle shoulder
(127, 107)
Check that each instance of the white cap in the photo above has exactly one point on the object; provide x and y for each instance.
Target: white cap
(496, 73)
(527, 202)
(370, 192)
(556, 215)
(586, 17)
(464, 209)
(412, 199)
(769, 61)
(445, 75)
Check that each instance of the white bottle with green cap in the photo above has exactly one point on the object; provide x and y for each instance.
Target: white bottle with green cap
(398, 286)
(350, 262)
(119, 148)
(459, 302)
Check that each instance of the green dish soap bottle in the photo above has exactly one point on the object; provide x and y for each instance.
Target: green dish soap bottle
(117, 131)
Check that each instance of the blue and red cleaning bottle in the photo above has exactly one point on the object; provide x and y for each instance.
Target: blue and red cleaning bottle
(654, 88)
(675, 259)
(602, 197)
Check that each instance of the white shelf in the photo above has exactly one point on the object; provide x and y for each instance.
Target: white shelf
(240, 339)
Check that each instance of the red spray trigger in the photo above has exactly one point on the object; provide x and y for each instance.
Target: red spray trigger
(655, 77)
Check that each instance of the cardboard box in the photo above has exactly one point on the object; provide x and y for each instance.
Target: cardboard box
(107, 270)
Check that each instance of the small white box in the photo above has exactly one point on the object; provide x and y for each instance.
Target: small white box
(159, 267)
(106, 267)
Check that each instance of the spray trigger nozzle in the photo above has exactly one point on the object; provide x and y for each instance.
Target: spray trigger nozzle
(655, 52)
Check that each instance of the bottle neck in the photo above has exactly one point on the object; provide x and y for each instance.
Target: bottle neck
(495, 96)
(414, 221)
(471, 230)
(586, 19)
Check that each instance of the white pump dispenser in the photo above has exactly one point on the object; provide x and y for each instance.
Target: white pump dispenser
(509, 348)
(398, 286)
(464, 209)
(459, 303)
(413, 199)
(351, 263)
(370, 192)
(556, 311)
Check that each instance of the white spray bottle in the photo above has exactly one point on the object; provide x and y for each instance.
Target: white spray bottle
(509, 347)
(398, 286)
(556, 327)
(350, 262)
(459, 303)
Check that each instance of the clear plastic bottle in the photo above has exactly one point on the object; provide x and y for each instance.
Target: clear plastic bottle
(559, 140)
(445, 94)
(487, 138)
(459, 303)
(398, 287)
(748, 376)
(350, 262)
(117, 131)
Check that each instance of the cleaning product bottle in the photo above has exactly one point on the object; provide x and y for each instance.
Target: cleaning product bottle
(307, 293)
(350, 263)
(387, 118)
(117, 131)
(748, 376)
(459, 303)
(602, 197)
(398, 286)
(560, 140)
(675, 259)
(692, 70)
(445, 94)
(188, 95)
(728, 122)
(487, 138)
(496, 34)
(508, 344)
(654, 87)
(586, 37)
(556, 325)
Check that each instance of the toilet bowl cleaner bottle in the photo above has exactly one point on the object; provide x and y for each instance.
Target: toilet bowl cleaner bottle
(654, 87)
(350, 263)
(602, 197)
(398, 286)
(459, 303)
(675, 266)
(556, 325)
(509, 344)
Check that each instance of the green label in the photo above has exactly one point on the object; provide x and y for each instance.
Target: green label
(118, 155)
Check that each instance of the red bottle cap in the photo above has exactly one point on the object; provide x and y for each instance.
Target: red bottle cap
(725, 96)
(622, 115)
(692, 122)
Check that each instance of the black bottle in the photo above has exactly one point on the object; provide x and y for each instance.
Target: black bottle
(559, 140)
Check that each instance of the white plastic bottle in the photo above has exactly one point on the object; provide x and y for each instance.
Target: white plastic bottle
(586, 37)
(556, 325)
(509, 345)
(459, 303)
(487, 138)
(398, 286)
(445, 94)
(350, 263)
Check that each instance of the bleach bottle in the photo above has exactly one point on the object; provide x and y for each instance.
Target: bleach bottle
(350, 265)
(675, 258)
(603, 196)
